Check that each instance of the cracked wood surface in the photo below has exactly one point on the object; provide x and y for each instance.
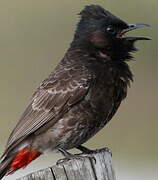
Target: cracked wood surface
(85, 168)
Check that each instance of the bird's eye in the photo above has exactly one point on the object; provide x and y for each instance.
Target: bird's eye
(111, 30)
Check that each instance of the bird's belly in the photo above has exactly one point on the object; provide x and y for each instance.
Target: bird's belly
(80, 124)
(73, 129)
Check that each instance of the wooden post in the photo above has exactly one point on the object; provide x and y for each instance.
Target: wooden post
(98, 167)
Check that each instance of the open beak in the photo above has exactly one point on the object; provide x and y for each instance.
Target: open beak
(132, 27)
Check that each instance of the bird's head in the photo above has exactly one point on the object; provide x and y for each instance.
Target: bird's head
(101, 31)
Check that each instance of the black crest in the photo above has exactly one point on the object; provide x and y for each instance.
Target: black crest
(97, 12)
(94, 11)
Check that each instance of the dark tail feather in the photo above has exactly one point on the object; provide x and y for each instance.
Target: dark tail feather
(4, 165)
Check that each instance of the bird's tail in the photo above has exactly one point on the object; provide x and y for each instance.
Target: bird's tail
(4, 166)
(20, 160)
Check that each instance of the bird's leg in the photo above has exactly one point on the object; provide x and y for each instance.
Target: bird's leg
(68, 156)
(84, 149)
(65, 153)
(89, 151)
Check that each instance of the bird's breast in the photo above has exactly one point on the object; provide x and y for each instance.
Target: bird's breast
(88, 116)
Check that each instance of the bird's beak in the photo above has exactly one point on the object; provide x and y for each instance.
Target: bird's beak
(132, 27)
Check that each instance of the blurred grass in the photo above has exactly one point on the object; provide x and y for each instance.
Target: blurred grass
(34, 36)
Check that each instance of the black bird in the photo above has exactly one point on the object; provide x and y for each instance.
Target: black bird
(80, 96)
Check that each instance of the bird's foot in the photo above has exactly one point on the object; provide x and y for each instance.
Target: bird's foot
(68, 156)
(89, 151)
(108, 150)
(84, 149)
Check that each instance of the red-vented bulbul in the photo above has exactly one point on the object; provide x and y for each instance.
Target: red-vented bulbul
(80, 96)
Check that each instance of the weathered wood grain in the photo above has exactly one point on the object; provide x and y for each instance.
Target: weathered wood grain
(96, 167)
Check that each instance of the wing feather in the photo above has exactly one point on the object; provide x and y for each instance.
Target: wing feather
(63, 89)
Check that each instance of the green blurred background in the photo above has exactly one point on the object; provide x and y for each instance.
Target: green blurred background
(34, 35)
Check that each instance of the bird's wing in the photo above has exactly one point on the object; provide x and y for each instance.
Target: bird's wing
(63, 89)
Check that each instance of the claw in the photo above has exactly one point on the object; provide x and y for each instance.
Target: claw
(89, 151)
(61, 161)
(108, 150)
(72, 157)
(69, 156)
(84, 149)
